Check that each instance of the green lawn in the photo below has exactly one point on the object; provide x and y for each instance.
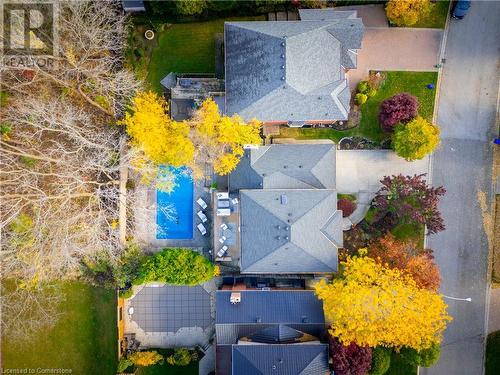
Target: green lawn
(493, 353)
(396, 82)
(398, 367)
(182, 48)
(165, 368)
(436, 19)
(84, 339)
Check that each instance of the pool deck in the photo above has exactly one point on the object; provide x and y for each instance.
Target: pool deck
(146, 227)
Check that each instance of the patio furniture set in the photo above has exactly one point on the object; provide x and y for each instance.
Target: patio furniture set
(201, 215)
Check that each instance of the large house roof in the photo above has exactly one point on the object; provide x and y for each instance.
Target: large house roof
(297, 359)
(292, 70)
(269, 307)
(289, 231)
(290, 166)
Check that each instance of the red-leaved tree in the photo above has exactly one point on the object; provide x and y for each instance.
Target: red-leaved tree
(400, 108)
(407, 257)
(411, 201)
(351, 359)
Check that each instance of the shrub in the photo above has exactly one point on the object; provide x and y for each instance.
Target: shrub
(406, 12)
(493, 353)
(182, 357)
(347, 206)
(5, 129)
(416, 139)
(129, 265)
(400, 108)
(363, 87)
(124, 364)
(360, 98)
(176, 266)
(381, 360)
(371, 92)
(423, 358)
(146, 358)
(349, 359)
(127, 293)
(27, 161)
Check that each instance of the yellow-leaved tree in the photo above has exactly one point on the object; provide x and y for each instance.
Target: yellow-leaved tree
(161, 140)
(415, 139)
(219, 139)
(147, 358)
(373, 305)
(406, 12)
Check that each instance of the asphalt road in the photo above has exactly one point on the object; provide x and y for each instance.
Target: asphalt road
(463, 165)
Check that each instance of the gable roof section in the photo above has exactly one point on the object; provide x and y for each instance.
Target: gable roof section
(289, 71)
(279, 334)
(287, 166)
(289, 231)
(273, 307)
(293, 359)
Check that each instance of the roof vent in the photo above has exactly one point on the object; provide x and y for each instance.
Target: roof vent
(305, 319)
(282, 56)
(282, 78)
(235, 298)
(284, 199)
(282, 44)
(286, 238)
(274, 367)
(285, 166)
(319, 97)
(290, 214)
(286, 227)
(282, 66)
(258, 319)
(300, 166)
(278, 227)
(278, 238)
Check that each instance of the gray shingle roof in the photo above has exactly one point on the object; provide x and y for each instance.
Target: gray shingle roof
(289, 71)
(273, 307)
(287, 166)
(280, 334)
(298, 359)
(289, 231)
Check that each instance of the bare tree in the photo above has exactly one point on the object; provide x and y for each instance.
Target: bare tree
(60, 161)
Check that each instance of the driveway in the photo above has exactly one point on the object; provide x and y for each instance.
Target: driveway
(463, 165)
(362, 170)
(393, 48)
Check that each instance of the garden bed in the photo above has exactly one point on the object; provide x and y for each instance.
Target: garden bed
(166, 368)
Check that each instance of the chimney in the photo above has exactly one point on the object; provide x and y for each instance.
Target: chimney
(235, 298)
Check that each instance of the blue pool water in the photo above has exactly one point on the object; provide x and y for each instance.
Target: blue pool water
(180, 223)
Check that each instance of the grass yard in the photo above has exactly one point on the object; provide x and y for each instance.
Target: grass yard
(180, 48)
(493, 353)
(436, 19)
(165, 368)
(396, 82)
(84, 339)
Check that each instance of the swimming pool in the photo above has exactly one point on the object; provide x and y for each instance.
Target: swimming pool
(177, 223)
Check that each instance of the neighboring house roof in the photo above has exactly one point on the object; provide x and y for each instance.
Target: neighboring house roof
(280, 334)
(290, 71)
(290, 166)
(293, 359)
(269, 307)
(289, 231)
(133, 5)
(326, 14)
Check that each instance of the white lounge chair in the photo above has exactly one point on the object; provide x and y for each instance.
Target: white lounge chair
(223, 226)
(222, 251)
(202, 229)
(202, 216)
(202, 203)
(222, 239)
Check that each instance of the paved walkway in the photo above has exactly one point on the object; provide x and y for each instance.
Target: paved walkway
(396, 49)
(363, 203)
(362, 170)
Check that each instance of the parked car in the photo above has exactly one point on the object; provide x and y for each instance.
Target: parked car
(460, 8)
